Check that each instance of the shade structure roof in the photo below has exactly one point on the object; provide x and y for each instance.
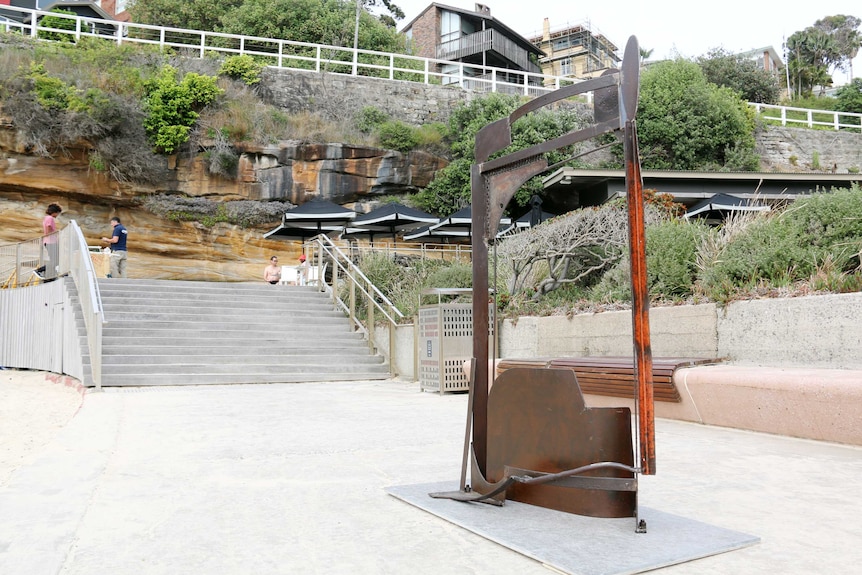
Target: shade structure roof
(388, 219)
(456, 226)
(719, 205)
(312, 218)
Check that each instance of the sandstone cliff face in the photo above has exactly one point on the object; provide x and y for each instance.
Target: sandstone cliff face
(159, 248)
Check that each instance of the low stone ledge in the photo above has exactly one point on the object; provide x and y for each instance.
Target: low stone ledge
(820, 404)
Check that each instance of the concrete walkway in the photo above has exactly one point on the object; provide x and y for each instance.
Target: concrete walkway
(290, 478)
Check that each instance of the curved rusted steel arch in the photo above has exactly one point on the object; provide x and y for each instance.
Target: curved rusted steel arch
(494, 182)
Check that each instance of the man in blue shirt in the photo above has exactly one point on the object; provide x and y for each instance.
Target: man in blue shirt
(118, 248)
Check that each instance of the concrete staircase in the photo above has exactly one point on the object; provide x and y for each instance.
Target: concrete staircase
(164, 332)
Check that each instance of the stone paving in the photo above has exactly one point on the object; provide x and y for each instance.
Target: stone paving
(291, 478)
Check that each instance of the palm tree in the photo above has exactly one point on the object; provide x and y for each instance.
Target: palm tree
(644, 54)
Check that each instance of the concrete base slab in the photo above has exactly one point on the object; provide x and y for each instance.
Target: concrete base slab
(580, 545)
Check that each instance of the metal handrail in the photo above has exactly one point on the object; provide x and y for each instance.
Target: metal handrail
(83, 273)
(322, 248)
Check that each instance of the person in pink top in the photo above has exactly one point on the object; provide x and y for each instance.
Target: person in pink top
(51, 240)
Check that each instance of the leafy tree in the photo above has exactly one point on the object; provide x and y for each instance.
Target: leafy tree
(850, 97)
(687, 123)
(644, 54)
(741, 75)
(811, 53)
(450, 189)
(844, 31)
(194, 14)
(394, 13)
(330, 22)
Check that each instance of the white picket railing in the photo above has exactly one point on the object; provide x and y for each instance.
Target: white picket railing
(292, 55)
(788, 116)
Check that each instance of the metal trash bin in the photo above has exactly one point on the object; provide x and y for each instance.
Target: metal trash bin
(445, 340)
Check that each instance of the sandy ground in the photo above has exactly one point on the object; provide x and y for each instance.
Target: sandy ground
(34, 407)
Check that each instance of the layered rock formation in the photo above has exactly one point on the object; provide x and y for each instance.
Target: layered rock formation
(161, 248)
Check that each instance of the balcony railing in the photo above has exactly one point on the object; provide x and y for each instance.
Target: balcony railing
(485, 41)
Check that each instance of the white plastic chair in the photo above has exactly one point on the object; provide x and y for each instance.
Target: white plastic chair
(289, 275)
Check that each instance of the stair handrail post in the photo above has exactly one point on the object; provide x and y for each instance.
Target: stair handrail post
(352, 303)
(334, 258)
(370, 320)
(393, 330)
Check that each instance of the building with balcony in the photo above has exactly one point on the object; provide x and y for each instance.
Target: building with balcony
(766, 58)
(470, 37)
(575, 51)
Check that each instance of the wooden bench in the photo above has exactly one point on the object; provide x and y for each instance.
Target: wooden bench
(614, 376)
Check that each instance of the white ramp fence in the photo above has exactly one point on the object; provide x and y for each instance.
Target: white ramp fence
(39, 321)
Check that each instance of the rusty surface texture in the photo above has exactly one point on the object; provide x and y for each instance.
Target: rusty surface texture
(512, 431)
(537, 421)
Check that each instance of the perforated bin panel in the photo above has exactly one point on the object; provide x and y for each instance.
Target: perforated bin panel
(446, 342)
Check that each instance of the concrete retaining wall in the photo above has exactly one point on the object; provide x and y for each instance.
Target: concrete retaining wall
(815, 331)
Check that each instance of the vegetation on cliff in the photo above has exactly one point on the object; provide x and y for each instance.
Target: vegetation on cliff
(578, 263)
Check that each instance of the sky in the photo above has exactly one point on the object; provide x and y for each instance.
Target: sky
(667, 27)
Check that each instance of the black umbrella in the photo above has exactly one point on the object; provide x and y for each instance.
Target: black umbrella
(535, 216)
(311, 219)
(455, 226)
(719, 205)
(387, 219)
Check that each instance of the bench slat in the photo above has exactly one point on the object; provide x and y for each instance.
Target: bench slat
(614, 376)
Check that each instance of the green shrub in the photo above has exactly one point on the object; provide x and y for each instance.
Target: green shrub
(243, 68)
(51, 93)
(173, 106)
(432, 137)
(615, 285)
(671, 248)
(791, 245)
(831, 224)
(370, 119)
(396, 135)
(454, 275)
(767, 250)
(58, 23)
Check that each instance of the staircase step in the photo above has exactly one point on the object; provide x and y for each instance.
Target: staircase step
(164, 332)
(275, 349)
(367, 363)
(134, 380)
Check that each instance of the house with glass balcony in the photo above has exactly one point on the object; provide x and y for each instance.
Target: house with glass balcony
(473, 40)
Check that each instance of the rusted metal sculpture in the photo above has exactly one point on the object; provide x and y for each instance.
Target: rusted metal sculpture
(533, 439)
